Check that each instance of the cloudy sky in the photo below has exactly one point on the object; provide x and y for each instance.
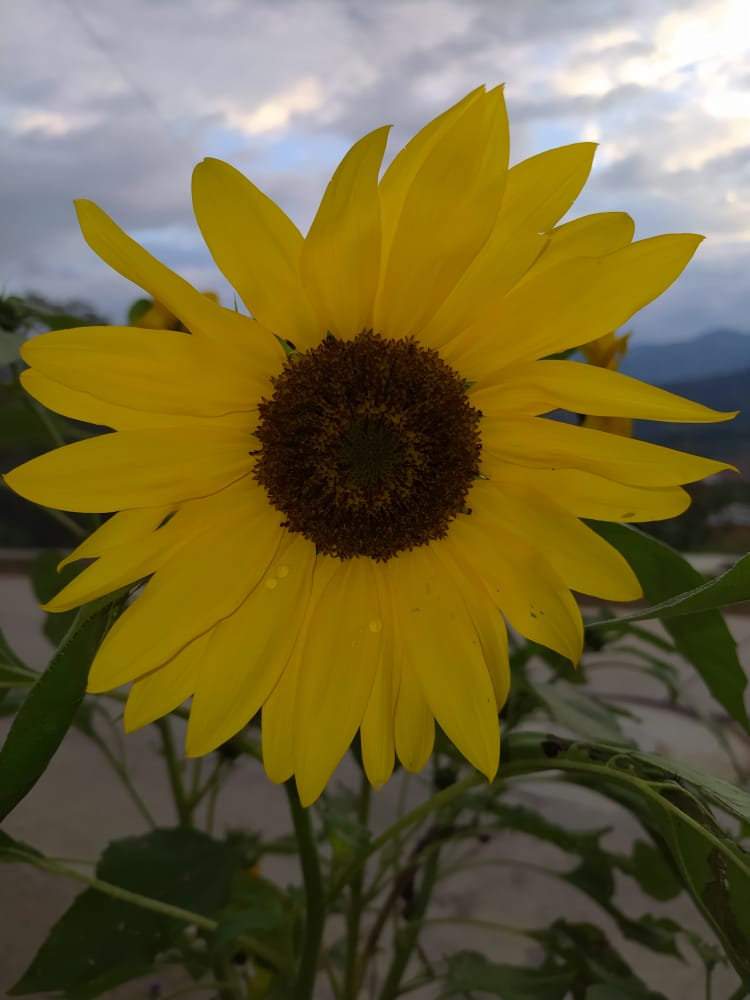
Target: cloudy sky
(116, 100)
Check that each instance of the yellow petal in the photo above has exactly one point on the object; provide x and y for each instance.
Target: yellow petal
(413, 725)
(438, 634)
(163, 690)
(522, 584)
(343, 646)
(340, 261)
(583, 560)
(127, 563)
(278, 720)
(197, 312)
(543, 386)
(277, 732)
(549, 444)
(205, 581)
(83, 406)
(500, 264)
(589, 236)
(135, 468)
(588, 495)
(570, 303)
(489, 625)
(258, 249)
(540, 190)
(399, 177)
(130, 260)
(152, 370)
(248, 651)
(447, 215)
(120, 529)
(377, 730)
(511, 252)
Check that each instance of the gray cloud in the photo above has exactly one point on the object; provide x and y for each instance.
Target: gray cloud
(117, 102)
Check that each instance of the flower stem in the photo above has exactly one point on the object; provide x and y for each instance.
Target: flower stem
(122, 773)
(315, 906)
(407, 939)
(354, 971)
(118, 892)
(181, 799)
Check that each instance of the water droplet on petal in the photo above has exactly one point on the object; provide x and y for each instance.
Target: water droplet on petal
(375, 625)
(271, 583)
(282, 571)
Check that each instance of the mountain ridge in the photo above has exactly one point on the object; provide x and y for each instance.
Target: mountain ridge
(721, 351)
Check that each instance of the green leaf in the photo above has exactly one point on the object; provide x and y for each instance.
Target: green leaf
(468, 970)
(714, 869)
(717, 874)
(10, 346)
(101, 941)
(9, 656)
(255, 905)
(15, 850)
(721, 793)
(586, 951)
(580, 713)
(701, 637)
(652, 874)
(347, 836)
(532, 823)
(732, 587)
(12, 668)
(624, 990)
(48, 710)
(9, 677)
(594, 872)
(258, 914)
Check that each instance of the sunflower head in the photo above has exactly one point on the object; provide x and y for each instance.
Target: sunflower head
(368, 446)
(338, 500)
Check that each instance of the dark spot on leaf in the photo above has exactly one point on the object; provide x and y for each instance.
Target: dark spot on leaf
(551, 748)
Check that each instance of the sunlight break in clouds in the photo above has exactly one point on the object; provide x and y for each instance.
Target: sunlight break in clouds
(50, 123)
(275, 114)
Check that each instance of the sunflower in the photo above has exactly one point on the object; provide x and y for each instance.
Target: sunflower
(338, 503)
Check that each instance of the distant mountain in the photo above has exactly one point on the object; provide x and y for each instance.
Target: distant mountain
(717, 352)
(728, 441)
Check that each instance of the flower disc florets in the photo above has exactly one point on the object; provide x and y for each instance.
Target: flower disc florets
(369, 446)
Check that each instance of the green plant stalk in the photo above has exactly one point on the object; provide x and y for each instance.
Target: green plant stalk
(304, 987)
(407, 939)
(354, 969)
(410, 819)
(117, 891)
(43, 417)
(174, 772)
(189, 917)
(122, 773)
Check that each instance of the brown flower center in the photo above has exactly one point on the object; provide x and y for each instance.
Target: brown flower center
(369, 446)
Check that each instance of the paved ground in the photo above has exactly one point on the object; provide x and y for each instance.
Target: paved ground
(78, 807)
